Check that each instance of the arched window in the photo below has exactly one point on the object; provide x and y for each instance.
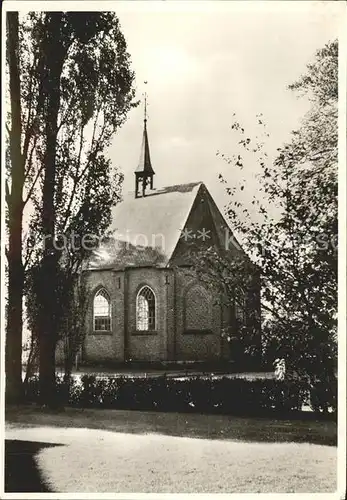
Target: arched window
(198, 310)
(102, 311)
(145, 309)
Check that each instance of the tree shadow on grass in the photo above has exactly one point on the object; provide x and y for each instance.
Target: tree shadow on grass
(21, 472)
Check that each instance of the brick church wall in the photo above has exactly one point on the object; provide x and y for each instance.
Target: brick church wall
(169, 341)
(123, 288)
(195, 346)
(108, 346)
(147, 346)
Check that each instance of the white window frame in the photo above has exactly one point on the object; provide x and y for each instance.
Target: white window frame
(155, 309)
(106, 295)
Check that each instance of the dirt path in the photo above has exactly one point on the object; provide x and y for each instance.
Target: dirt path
(84, 460)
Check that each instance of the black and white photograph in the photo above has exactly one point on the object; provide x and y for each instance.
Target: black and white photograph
(173, 249)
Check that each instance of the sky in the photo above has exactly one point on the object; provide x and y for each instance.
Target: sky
(205, 61)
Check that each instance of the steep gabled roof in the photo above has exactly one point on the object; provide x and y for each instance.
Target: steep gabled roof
(147, 230)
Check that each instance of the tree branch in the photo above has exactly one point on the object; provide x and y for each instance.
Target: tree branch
(28, 128)
(32, 187)
(30, 159)
(7, 193)
(75, 180)
(94, 147)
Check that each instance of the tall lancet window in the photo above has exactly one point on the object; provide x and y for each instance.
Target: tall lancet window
(102, 311)
(145, 309)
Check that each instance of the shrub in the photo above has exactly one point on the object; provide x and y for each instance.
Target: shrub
(199, 394)
(323, 395)
(31, 389)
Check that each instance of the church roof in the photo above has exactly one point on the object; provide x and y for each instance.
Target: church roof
(147, 229)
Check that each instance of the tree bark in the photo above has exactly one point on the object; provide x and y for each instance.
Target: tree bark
(53, 61)
(13, 349)
(32, 360)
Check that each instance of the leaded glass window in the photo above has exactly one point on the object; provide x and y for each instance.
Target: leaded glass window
(145, 309)
(102, 311)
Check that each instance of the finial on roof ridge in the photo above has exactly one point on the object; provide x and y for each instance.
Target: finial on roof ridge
(145, 107)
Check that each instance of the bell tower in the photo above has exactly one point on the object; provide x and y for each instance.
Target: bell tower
(144, 172)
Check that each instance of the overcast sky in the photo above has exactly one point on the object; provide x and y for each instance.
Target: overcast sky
(205, 61)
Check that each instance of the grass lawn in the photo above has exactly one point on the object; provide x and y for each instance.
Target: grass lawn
(126, 451)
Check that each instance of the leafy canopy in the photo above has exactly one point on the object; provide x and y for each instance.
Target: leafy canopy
(290, 229)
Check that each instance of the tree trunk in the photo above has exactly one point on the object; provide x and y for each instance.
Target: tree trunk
(14, 322)
(47, 368)
(32, 359)
(53, 60)
(13, 358)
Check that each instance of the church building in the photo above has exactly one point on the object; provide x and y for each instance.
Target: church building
(146, 303)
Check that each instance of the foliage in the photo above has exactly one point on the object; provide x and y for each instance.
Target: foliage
(289, 235)
(198, 394)
(233, 281)
(76, 91)
(95, 95)
(71, 308)
(73, 331)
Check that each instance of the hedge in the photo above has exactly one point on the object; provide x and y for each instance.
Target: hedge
(199, 394)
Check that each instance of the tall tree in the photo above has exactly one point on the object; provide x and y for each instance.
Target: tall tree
(291, 232)
(23, 170)
(83, 85)
(87, 94)
(15, 216)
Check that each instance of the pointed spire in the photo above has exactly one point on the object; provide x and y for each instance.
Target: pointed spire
(145, 164)
(144, 171)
